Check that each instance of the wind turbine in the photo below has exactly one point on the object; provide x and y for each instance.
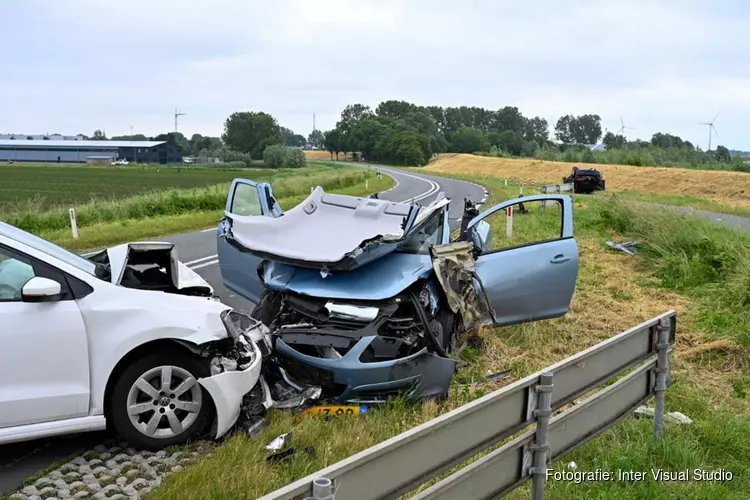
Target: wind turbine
(711, 129)
(623, 127)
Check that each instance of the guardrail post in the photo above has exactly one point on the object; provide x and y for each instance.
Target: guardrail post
(322, 489)
(541, 443)
(662, 370)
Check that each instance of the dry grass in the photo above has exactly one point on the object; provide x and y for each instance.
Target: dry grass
(729, 188)
(317, 155)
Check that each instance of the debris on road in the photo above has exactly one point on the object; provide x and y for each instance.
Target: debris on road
(278, 457)
(674, 417)
(279, 442)
(624, 247)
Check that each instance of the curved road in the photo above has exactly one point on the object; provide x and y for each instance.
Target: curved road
(21, 460)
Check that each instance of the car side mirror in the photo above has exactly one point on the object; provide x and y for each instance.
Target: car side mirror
(40, 289)
(480, 236)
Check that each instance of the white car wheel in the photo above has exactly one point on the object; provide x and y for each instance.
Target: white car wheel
(164, 402)
(157, 401)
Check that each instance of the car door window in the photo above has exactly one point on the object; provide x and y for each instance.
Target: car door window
(531, 223)
(246, 201)
(428, 235)
(15, 271)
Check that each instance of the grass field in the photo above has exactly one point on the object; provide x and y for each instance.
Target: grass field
(708, 189)
(42, 186)
(701, 270)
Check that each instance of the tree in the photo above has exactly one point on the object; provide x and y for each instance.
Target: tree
(316, 139)
(666, 141)
(722, 154)
(509, 118)
(332, 142)
(613, 141)
(98, 136)
(589, 129)
(537, 130)
(564, 129)
(251, 132)
(394, 109)
(366, 135)
(292, 139)
(467, 140)
(352, 114)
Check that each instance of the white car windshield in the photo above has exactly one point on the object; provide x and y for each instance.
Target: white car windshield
(47, 247)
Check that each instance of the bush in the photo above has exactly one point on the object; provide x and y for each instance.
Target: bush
(278, 156)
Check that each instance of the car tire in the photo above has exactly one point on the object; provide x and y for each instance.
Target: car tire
(447, 336)
(267, 307)
(176, 418)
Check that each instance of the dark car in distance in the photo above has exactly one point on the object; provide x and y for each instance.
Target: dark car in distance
(585, 181)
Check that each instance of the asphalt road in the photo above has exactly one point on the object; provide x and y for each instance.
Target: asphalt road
(19, 461)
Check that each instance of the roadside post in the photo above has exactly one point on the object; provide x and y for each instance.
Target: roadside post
(73, 225)
(540, 447)
(509, 222)
(506, 182)
(662, 369)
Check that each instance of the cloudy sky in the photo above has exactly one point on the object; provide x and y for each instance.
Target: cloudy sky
(71, 66)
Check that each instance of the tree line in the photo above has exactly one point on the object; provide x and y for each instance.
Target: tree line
(403, 133)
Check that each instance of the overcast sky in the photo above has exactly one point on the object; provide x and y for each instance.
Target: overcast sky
(71, 66)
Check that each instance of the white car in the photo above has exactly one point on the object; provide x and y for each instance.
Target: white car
(130, 338)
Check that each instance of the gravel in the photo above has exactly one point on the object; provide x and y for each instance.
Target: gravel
(111, 470)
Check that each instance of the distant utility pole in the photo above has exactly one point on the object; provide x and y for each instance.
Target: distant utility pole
(176, 115)
(314, 121)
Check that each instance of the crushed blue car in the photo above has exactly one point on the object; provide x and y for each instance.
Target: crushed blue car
(365, 298)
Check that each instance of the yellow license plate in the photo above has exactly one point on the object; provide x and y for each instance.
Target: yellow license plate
(335, 410)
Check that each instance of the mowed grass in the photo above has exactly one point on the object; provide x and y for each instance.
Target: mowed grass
(691, 266)
(42, 186)
(720, 191)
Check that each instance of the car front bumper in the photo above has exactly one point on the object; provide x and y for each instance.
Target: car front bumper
(227, 390)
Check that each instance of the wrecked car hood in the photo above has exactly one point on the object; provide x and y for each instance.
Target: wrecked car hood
(330, 231)
(382, 279)
(151, 265)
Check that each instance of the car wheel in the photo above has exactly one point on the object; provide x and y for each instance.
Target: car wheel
(158, 402)
(446, 333)
(267, 307)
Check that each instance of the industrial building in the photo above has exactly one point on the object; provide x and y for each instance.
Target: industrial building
(78, 151)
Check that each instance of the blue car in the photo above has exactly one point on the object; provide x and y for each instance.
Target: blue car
(365, 298)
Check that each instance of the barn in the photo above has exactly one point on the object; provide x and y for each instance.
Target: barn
(73, 151)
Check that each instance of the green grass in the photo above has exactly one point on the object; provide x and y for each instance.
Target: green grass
(680, 201)
(38, 187)
(693, 266)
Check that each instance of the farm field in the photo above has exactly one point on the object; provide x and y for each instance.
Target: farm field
(317, 155)
(709, 189)
(49, 185)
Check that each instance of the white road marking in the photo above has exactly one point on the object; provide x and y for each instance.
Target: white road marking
(205, 264)
(196, 261)
(207, 230)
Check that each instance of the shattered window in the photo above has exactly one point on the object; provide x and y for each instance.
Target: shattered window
(15, 271)
(531, 222)
(246, 200)
(428, 235)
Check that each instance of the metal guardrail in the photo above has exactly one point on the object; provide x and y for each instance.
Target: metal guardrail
(405, 462)
(557, 188)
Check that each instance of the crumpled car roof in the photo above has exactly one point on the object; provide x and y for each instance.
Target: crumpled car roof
(330, 231)
(120, 256)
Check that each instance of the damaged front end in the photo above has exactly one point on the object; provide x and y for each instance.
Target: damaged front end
(234, 364)
(364, 351)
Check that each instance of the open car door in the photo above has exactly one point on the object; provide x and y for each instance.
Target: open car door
(239, 270)
(528, 263)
